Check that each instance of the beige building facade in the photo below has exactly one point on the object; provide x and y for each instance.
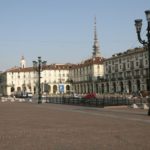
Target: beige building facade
(85, 76)
(126, 72)
(23, 79)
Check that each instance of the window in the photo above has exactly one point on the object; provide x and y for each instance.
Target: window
(136, 57)
(141, 55)
(141, 63)
(132, 64)
(146, 62)
(120, 67)
(124, 66)
(116, 67)
(109, 69)
(124, 74)
(18, 75)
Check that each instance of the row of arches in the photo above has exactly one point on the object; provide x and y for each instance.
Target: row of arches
(109, 87)
(122, 87)
(45, 88)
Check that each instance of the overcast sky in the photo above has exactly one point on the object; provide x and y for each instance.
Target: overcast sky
(61, 31)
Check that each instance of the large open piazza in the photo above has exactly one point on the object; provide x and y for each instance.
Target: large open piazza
(32, 126)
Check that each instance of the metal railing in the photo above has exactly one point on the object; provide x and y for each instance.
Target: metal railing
(95, 102)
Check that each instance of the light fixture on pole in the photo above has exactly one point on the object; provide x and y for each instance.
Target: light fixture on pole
(38, 65)
(138, 25)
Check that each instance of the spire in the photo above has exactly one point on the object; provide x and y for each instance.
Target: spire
(96, 52)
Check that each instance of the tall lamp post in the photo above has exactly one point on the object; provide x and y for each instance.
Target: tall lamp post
(38, 65)
(138, 25)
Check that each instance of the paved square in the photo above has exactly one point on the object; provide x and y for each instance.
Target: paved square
(30, 126)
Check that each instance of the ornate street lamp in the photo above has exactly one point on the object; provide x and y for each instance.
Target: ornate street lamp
(138, 25)
(38, 65)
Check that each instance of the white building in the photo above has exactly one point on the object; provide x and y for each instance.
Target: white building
(54, 80)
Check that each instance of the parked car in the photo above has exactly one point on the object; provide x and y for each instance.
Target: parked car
(76, 95)
(29, 95)
(90, 96)
(23, 95)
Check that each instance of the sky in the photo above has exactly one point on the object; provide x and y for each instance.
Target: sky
(62, 31)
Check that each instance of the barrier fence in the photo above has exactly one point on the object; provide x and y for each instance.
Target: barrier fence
(98, 102)
(101, 101)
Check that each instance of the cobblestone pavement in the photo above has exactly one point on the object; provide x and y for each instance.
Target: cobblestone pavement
(30, 126)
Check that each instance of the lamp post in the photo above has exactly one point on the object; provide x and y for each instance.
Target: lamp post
(37, 65)
(138, 25)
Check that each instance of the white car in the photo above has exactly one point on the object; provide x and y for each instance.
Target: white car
(30, 95)
(76, 95)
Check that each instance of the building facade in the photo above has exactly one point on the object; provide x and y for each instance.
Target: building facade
(18, 80)
(86, 76)
(126, 72)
